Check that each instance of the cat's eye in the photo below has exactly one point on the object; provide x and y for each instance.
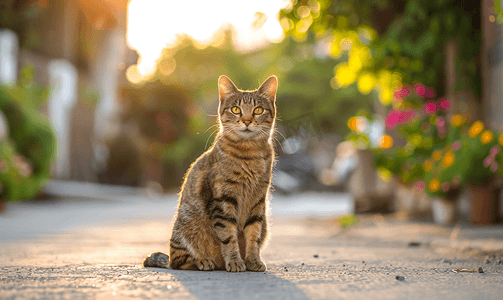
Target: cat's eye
(236, 109)
(258, 110)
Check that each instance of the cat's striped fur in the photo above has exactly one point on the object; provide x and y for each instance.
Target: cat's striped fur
(221, 222)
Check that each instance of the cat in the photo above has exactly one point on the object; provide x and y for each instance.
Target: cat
(221, 220)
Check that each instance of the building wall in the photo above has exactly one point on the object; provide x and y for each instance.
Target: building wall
(492, 67)
(91, 36)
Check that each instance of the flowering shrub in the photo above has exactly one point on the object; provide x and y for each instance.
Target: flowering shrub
(442, 177)
(422, 131)
(475, 157)
(439, 154)
(421, 127)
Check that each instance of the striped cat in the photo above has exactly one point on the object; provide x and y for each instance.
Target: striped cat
(221, 221)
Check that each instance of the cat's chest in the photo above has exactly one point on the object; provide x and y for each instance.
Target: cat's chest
(246, 180)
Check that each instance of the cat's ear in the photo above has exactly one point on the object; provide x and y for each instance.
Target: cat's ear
(226, 87)
(269, 88)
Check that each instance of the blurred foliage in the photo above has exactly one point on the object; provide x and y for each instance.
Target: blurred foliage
(176, 108)
(475, 158)
(28, 151)
(20, 16)
(437, 151)
(347, 221)
(420, 130)
(498, 12)
(410, 48)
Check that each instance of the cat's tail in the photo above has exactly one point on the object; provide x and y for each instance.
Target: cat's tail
(156, 260)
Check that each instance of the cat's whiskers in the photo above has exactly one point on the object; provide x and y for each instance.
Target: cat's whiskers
(281, 134)
(206, 145)
(210, 127)
(225, 132)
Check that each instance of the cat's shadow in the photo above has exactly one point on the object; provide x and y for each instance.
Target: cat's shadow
(223, 285)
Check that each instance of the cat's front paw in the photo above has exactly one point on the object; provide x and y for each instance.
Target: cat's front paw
(255, 265)
(206, 265)
(235, 266)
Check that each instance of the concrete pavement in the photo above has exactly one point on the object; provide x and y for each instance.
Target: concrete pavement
(76, 248)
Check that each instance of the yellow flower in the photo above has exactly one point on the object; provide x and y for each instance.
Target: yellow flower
(386, 141)
(437, 155)
(476, 128)
(344, 74)
(486, 137)
(428, 164)
(457, 120)
(434, 185)
(500, 140)
(366, 83)
(448, 159)
(352, 123)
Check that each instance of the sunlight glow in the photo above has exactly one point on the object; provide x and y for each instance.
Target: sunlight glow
(156, 24)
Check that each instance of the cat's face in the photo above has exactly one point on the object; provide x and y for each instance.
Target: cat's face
(247, 115)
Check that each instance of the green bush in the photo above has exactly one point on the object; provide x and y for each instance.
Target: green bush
(28, 151)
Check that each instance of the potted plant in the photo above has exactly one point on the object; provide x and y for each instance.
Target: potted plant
(420, 123)
(444, 181)
(364, 137)
(481, 154)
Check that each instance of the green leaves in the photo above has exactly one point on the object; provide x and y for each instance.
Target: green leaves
(347, 221)
(26, 156)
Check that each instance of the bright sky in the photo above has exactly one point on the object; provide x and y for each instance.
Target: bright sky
(155, 24)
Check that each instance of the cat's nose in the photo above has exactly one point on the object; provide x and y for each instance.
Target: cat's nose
(247, 122)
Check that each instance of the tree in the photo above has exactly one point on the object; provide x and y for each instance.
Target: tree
(390, 43)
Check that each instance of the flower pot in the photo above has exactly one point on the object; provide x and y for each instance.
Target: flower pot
(410, 201)
(361, 184)
(423, 203)
(405, 198)
(484, 208)
(444, 211)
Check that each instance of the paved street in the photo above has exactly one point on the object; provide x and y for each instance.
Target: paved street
(78, 248)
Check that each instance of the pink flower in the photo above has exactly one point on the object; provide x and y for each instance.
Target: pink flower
(487, 161)
(420, 186)
(397, 117)
(440, 122)
(392, 118)
(419, 88)
(494, 166)
(406, 116)
(404, 92)
(445, 186)
(430, 107)
(444, 104)
(456, 145)
(429, 93)
(494, 151)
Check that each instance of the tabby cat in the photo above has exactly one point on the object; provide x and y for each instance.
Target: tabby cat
(221, 220)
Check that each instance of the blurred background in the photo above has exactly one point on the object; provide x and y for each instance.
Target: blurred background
(397, 103)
